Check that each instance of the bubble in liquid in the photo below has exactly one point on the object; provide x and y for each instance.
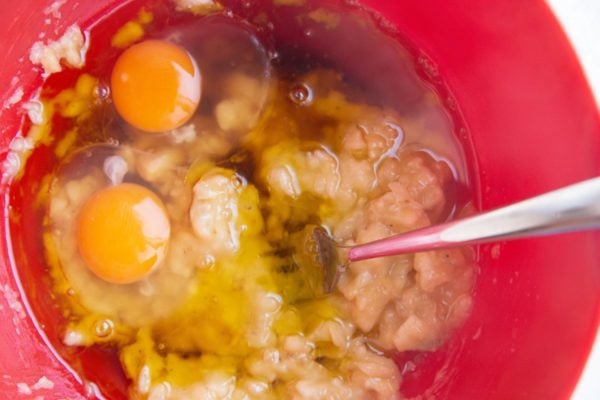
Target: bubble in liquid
(103, 328)
(208, 261)
(237, 183)
(301, 94)
(102, 91)
(113, 142)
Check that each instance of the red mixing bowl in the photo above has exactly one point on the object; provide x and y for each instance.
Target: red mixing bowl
(533, 126)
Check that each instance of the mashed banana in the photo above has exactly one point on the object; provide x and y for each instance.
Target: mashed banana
(229, 314)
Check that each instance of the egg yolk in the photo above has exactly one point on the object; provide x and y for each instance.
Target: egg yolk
(123, 232)
(155, 86)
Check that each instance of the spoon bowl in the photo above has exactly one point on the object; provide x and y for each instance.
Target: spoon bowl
(570, 209)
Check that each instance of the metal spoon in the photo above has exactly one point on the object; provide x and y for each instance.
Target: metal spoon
(572, 208)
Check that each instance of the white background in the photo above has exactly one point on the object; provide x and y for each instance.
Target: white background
(581, 21)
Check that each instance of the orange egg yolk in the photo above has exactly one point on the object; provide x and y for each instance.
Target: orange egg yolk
(123, 233)
(155, 86)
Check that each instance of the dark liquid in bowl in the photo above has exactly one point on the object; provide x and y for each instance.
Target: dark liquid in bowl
(298, 56)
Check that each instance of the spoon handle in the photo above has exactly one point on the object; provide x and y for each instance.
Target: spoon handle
(572, 208)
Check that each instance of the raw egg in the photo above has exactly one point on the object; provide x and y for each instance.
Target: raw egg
(156, 86)
(123, 232)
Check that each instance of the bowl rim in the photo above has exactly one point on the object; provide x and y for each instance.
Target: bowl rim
(577, 25)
